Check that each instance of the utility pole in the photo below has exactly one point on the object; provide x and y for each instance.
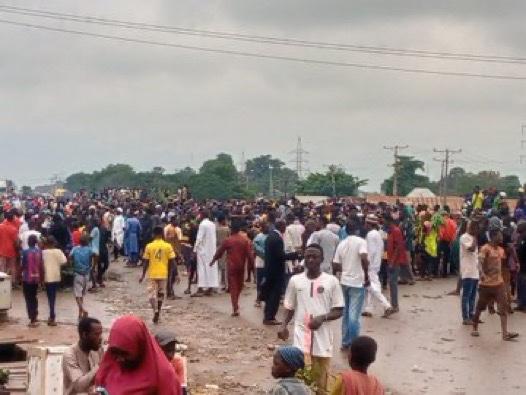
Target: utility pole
(447, 161)
(270, 182)
(299, 159)
(441, 182)
(332, 172)
(523, 143)
(395, 165)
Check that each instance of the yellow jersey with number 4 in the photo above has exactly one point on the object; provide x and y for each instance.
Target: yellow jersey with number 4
(158, 253)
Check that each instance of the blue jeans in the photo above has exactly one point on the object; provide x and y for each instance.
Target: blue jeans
(394, 273)
(469, 293)
(354, 300)
(51, 291)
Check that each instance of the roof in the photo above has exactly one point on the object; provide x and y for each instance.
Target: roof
(421, 193)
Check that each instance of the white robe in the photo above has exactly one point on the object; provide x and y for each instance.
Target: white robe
(117, 232)
(205, 248)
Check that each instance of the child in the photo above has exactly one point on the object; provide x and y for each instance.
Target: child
(54, 259)
(356, 381)
(168, 342)
(81, 256)
(287, 361)
(32, 277)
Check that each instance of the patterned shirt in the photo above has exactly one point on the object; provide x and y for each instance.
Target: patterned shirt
(32, 266)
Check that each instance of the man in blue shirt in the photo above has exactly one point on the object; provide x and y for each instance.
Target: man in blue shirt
(81, 259)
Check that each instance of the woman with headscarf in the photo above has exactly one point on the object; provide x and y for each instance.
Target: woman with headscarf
(134, 363)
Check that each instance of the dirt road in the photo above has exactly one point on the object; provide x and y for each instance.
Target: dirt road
(422, 350)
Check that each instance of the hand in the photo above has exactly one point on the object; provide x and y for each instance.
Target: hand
(283, 333)
(177, 279)
(141, 279)
(366, 283)
(316, 322)
(212, 263)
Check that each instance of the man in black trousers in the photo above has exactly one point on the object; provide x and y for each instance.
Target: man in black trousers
(275, 258)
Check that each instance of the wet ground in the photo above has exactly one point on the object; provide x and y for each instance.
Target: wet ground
(422, 350)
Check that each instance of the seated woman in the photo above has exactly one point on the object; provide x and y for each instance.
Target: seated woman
(134, 363)
(287, 361)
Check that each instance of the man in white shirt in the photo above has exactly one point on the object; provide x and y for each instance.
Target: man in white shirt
(352, 262)
(29, 231)
(469, 271)
(292, 240)
(375, 251)
(313, 298)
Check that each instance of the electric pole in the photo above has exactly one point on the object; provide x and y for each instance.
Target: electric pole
(447, 161)
(332, 172)
(441, 182)
(270, 182)
(395, 165)
(523, 143)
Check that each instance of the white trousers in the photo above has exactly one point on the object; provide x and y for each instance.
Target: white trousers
(374, 293)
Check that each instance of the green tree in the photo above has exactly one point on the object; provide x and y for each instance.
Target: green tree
(26, 190)
(257, 175)
(334, 181)
(408, 177)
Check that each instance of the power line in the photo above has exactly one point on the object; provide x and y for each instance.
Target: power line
(396, 164)
(266, 39)
(264, 56)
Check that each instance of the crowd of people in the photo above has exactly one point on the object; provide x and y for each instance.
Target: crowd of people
(322, 261)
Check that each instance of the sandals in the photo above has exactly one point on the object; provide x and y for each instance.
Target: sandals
(510, 336)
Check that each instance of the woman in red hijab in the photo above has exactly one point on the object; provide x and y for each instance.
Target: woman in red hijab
(134, 363)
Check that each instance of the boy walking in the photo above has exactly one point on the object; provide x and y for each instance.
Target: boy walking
(32, 277)
(54, 259)
(158, 257)
(81, 258)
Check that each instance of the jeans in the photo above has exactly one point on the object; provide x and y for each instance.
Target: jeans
(30, 295)
(521, 290)
(394, 273)
(51, 291)
(354, 299)
(469, 294)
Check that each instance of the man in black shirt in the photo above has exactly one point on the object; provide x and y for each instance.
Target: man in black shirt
(521, 276)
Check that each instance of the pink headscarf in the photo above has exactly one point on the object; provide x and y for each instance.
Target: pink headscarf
(154, 375)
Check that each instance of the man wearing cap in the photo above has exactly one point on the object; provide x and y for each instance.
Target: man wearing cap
(375, 251)
(168, 343)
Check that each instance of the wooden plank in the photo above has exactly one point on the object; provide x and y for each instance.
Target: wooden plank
(17, 340)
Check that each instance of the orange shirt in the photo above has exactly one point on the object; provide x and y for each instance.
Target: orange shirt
(179, 365)
(8, 240)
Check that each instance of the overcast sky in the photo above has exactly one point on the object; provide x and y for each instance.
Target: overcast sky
(72, 103)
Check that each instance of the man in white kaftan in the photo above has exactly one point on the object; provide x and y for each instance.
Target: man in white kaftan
(205, 248)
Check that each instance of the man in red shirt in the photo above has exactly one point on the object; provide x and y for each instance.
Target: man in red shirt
(397, 258)
(447, 235)
(239, 252)
(9, 245)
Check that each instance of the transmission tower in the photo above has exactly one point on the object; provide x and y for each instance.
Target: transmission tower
(299, 159)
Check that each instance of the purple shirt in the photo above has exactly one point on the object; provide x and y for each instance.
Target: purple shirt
(32, 266)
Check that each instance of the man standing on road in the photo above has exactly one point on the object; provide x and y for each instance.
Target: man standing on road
(239, 252)
(222, 233)
(492, 287)
(352, 262)
(397, 258)
(9, 246)
(328, 240)
(521, 276)
(81, 361)
(469, 271)
(313, 298)
(158, 257)
(375, 252)
(205, 248)
(275, 258)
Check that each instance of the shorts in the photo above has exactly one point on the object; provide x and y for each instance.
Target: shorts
(489, 295)
(156, 286)
(80, 285)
